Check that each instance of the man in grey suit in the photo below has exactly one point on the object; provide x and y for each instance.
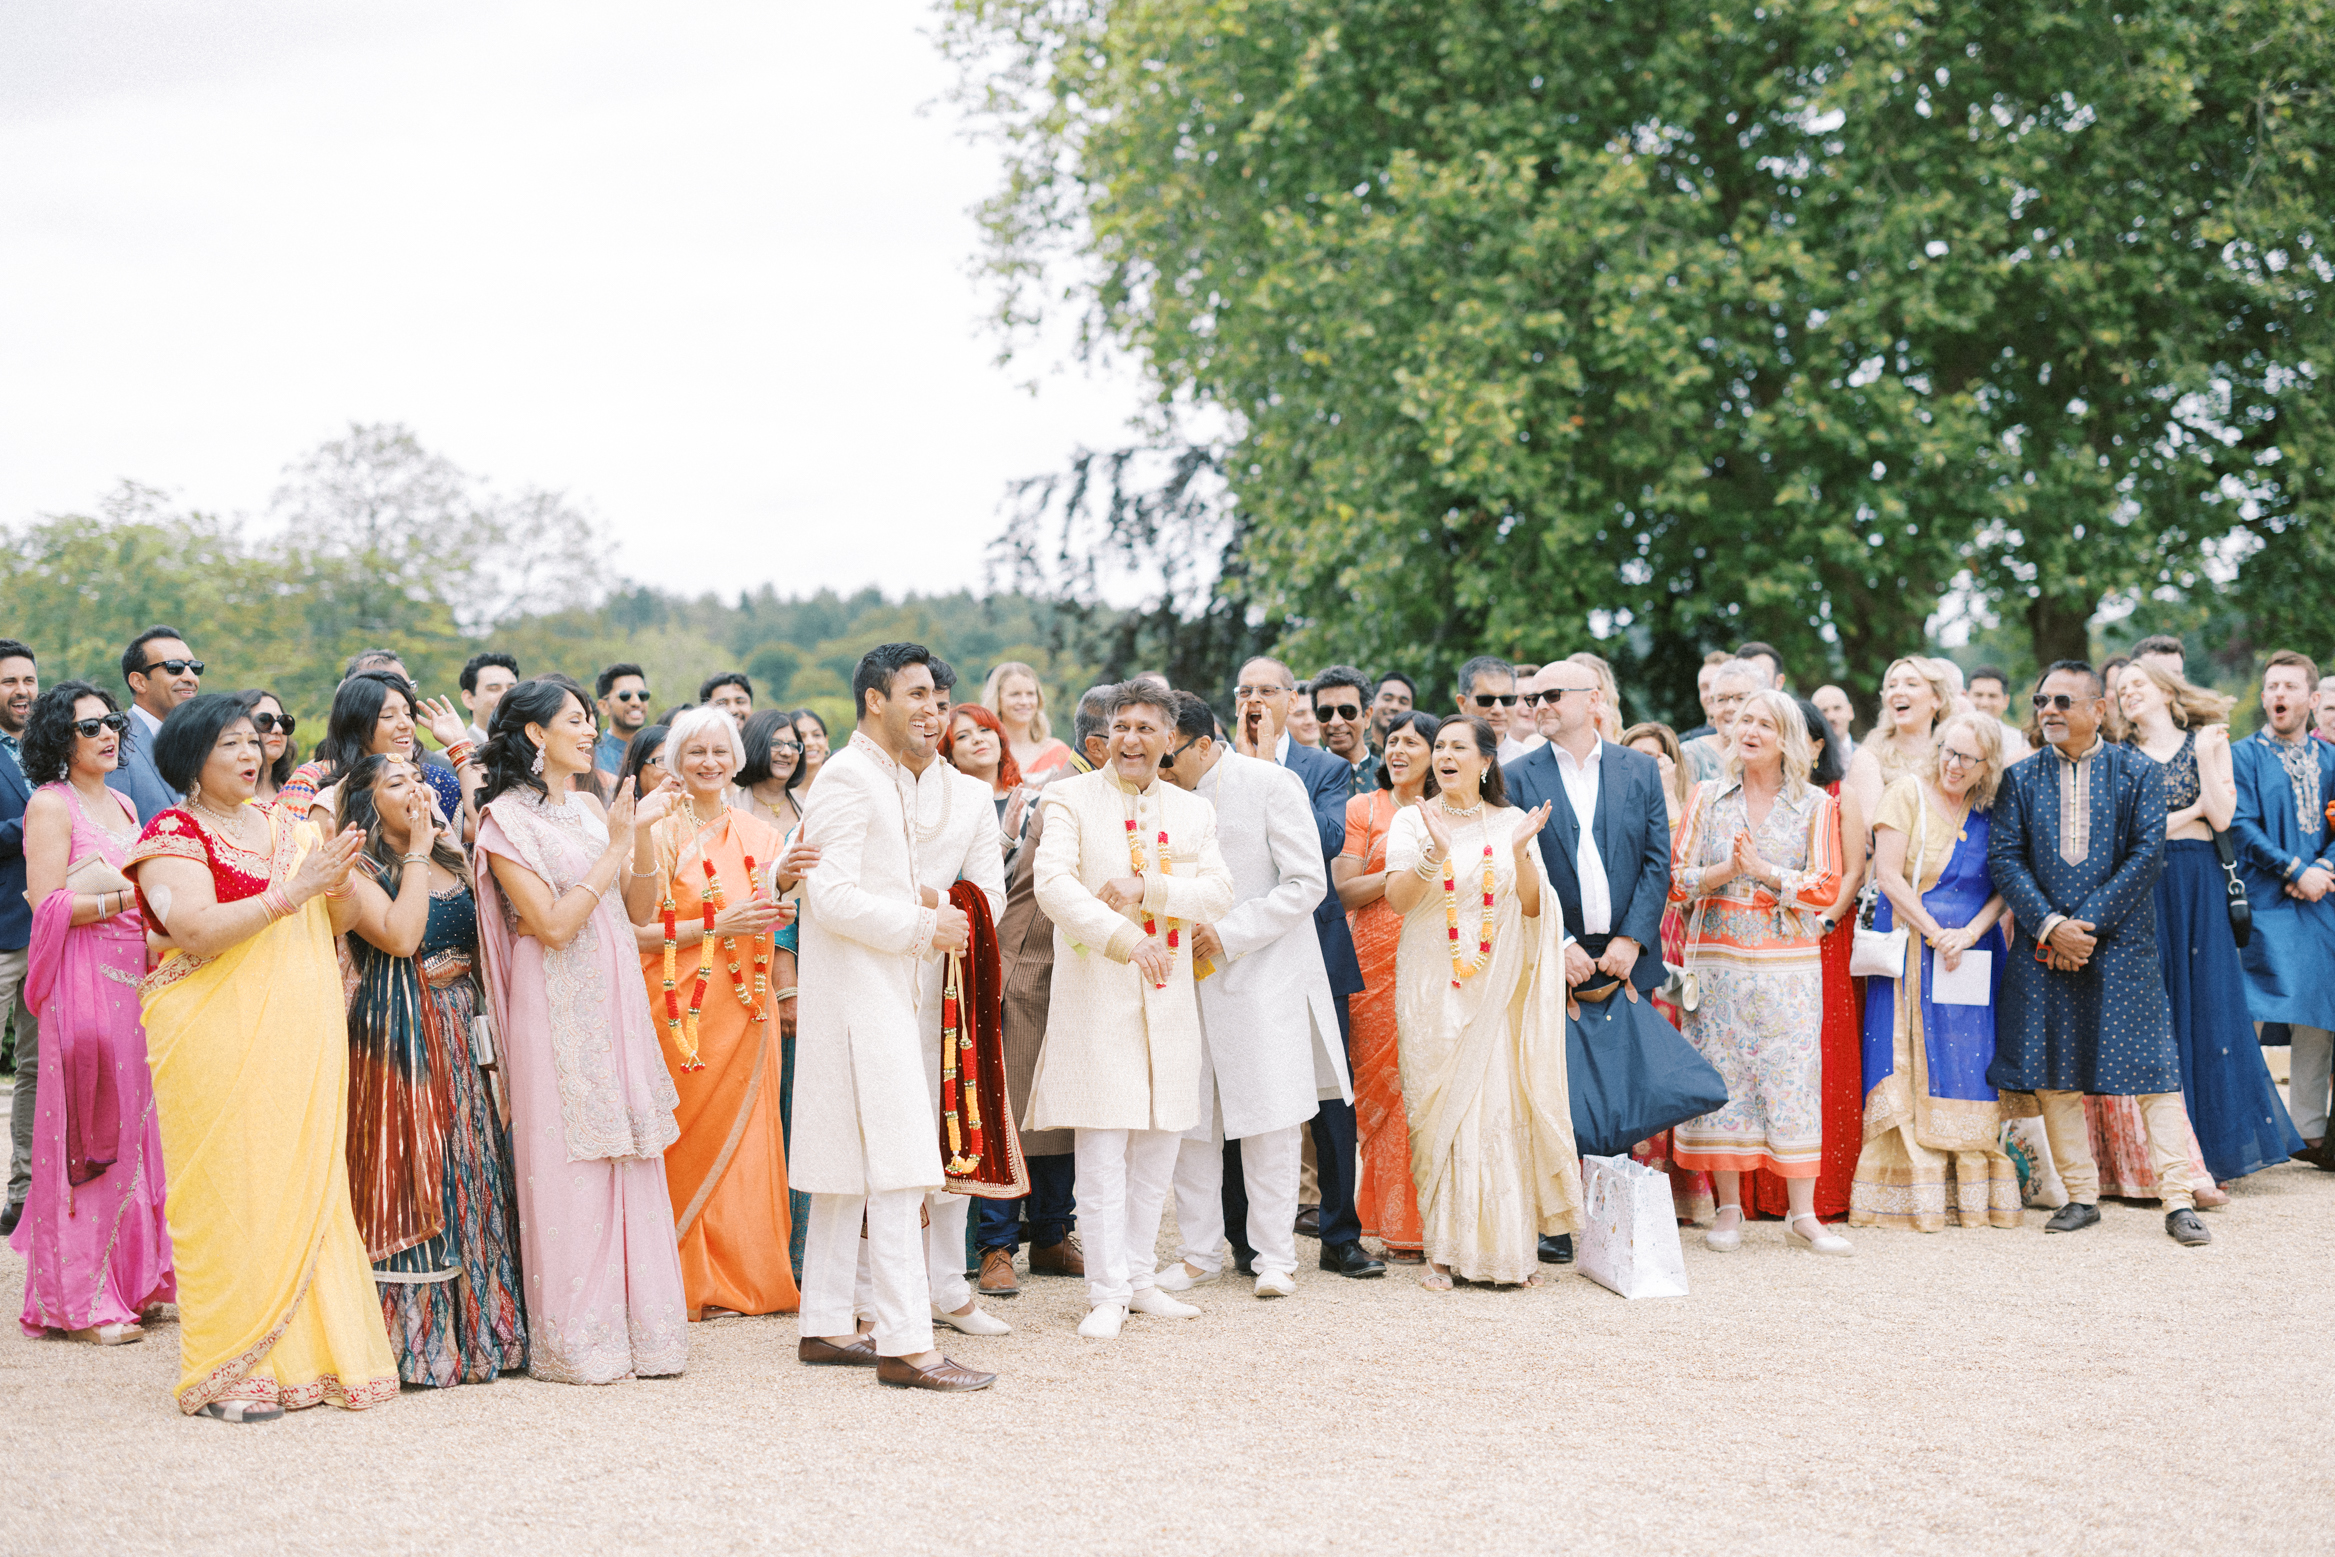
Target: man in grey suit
(1607, 847)
(162, 672)
(20, 683)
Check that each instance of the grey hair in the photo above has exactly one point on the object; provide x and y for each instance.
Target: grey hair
(692, 722)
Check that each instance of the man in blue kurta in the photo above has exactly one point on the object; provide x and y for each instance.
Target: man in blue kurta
(2285, 857)
(2078, 839)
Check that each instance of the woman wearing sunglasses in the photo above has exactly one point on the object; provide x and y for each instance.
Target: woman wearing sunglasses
(275, 729)
(96, 1250)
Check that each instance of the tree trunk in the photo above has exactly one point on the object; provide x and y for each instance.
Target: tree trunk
(2060, 627)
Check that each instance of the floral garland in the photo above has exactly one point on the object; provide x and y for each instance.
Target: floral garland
(1462, 967)
(683, 1026)
(1166, 868)
(958, 1083)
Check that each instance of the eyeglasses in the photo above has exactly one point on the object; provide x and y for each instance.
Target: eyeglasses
(176, 667)
(1346, 711)
(263, 722)
(630, 697)
(1728, 699)
(114, 722)
(2057, 700)
(786, 748)
(1487, 699)
(1949, 757)
(1262, 691)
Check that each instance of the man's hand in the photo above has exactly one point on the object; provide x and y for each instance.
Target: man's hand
(1621, 955)
(1578, 967)
(952, 929)
(2072, 943)
(1122, 893)
(2315, 884)
(1206, 944)
(1150, 958)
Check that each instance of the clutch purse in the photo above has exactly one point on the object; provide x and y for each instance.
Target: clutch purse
(91, 874)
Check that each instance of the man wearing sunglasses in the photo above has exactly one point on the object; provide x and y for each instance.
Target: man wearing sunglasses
(1341, 701)
(623, 691)
(162, 672)
(1486, 689)
(20, 683)
(2077, 843)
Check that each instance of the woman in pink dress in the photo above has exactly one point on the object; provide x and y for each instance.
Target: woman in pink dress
(96, 1247)
(590, 1099)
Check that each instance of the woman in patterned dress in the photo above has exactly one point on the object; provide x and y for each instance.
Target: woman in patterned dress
(429, 1162)
(1758, 859)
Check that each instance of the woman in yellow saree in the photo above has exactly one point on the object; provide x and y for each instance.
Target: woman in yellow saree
(249, 1048)
(727, 1172)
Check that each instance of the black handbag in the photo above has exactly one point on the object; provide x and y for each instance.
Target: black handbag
(2241, 911)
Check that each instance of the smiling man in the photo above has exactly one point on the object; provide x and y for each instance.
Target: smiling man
(20, 683)
(485, 678)
(161, 672)
(2078, 840)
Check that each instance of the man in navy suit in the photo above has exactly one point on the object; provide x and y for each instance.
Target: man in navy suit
(20, 683)
(1607, 845)
(1259, 719)
(162, 672)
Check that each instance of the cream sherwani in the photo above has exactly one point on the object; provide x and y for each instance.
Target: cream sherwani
(1121, 1061)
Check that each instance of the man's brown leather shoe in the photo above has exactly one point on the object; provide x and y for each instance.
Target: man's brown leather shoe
(1059, 1259)
(944, 1375)
(997, 1278)
(859, 1354)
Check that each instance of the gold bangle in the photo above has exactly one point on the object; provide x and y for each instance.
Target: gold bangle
(787, 993)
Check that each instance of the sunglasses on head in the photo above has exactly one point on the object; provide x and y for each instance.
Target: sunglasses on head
(1504, 699)
(2057, 700)
(630, 697)
(176, 667)
(263, 722)
(1346, 711)
(114, 722)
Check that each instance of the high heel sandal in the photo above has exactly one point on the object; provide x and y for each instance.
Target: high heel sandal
(1725, 1239)
(1826, 1241)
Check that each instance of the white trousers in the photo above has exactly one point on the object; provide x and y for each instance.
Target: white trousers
(944, 1248)
(2306, 1079)
(1269, 1169)
(881, 1275)
(1123, 1181)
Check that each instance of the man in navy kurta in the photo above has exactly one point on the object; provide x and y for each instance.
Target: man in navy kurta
(2285, 857)
(2077, 841)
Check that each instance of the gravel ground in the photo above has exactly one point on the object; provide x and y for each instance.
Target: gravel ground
(1970, 1390)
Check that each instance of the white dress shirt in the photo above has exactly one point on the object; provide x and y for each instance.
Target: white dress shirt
(1581, 780)
(147, 723)
(1512, 748)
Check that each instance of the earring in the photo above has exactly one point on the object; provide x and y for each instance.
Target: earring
(536, 767)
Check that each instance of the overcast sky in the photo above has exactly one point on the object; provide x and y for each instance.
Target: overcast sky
(705, 267)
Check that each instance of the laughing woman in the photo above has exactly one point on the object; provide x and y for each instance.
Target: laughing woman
(250, 1055)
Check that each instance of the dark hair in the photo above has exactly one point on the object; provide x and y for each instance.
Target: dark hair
(1409, 685)
(1421, 724)
(1194, 718)
(880, 666)
(944, 675)
(372, 659)
(509, 757)
(479, 662)
(10, 649)
(761, 729)
(280, 773)
(1142, 692)
(1476, 669)
(605, 682)
(669, 715)
(724, 678)
(604, 790)
(356, 709)
(1494, 789)
(189, 734)
(1758, 650)
(637, 754)
(812, 714)
(46, 754)
(1344, 676)
(2161, 643)
(1993, 673)
(354, 807)
(1090, 719)
(134, 657)
(1827, 769)
(2081, 668)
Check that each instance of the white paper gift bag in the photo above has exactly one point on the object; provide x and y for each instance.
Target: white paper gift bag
(1629, 1234)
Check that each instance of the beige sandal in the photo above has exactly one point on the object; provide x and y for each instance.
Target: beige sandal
(108, 1335)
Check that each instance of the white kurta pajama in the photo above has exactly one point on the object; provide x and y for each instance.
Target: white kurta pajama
(1121, 1062)
(1270, 1050)
(865, 1142)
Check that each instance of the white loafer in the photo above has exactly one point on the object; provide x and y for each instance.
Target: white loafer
(1826, 1240)
(1102, 1322)
(1152, 1301)
(978, 1322)
(1276, 1284)
(1179, 1278)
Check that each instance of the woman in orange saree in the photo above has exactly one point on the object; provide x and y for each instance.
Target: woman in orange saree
(1385, 1195)
(716, 1024)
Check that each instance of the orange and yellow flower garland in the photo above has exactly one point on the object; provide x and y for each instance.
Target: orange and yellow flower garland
(1462, 968)
(684, 1025)
(1167, 867)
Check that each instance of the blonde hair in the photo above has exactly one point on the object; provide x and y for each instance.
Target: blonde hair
(992, 694)
(1681, 780)
(1609, 721)
(1799, 752)
(1989, 735)
(1934, 675)
(2193, 706)
(693, 722)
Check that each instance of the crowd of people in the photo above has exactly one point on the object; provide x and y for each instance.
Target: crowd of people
(523, 1035)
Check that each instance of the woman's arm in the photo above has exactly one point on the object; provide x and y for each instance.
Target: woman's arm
(1855, 864)
(553, 918)
(1889, 850)
(196, 922)
(1528, 879)
(393, 925)
(2217, 783)
(1356, 887)
(48, 856)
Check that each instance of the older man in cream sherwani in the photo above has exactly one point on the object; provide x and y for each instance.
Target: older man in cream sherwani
(866, 1148)
(1126, 862)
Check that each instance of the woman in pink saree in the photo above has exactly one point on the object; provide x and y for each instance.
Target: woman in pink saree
(96, 1247)
(591, 1103)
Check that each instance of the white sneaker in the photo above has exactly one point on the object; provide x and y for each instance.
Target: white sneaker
(1179, 1277)
(1102, 1322)
(978, 1321)
(1152, 1301)
(1275, 1284)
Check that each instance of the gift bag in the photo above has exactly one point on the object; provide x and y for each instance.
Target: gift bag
(2030, 1152)
(1629, 1235)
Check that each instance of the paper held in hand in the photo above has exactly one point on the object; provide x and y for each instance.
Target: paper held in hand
(1972, 984)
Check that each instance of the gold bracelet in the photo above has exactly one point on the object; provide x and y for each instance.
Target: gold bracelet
(787, 993)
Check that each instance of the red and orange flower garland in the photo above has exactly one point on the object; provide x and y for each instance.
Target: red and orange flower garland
(684, 1025)
(958, 1085)
(1166, 866)
(1461, 968)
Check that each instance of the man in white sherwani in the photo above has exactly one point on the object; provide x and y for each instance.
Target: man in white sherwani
(1126, 862)
(1270, 1044)
(865, 1146)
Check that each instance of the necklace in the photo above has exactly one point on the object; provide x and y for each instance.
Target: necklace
(702, 822)
(228, 822)
(1463, 967)
(1166, 868)
(1451, 810)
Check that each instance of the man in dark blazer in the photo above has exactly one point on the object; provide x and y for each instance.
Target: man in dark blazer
(1260, 718)
(1606, 846)
(161, 672)
(19, 684)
